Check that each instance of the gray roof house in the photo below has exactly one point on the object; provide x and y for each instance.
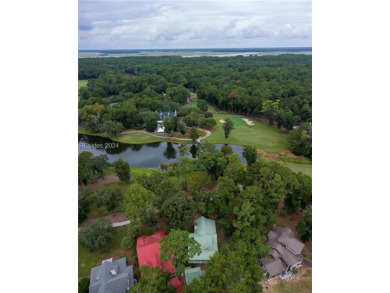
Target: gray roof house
(160, 120)
(285, 253)
(111, 277)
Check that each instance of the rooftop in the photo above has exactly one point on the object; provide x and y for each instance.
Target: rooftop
(111, 277)
(148, 251)
(205, 233)
(191, 274)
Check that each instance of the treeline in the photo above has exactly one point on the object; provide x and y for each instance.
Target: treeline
(276, 86)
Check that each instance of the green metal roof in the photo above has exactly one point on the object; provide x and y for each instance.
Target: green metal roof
(191, 274)
(205, 233)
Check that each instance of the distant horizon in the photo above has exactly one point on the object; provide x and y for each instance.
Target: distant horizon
(210, 48)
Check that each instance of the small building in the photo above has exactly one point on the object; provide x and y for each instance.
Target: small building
(205, 233)
(111, 276)
(148, 251)
(285, 253)
(160, 120)
(192, 273)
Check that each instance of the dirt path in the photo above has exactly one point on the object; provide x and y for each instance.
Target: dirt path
(108, 178)
(208, 133)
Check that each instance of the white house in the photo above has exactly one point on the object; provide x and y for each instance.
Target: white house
(160, 120)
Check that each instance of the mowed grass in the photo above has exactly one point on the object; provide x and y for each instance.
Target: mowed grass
(140, 138)
(304, 168)
(195, 104)
(88, 260)
(82, 83)
(302, 285)
(260, 135)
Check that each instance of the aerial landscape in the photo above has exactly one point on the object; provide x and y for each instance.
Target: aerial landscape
(194, 147)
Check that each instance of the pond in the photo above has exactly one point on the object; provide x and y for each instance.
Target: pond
(148, 155)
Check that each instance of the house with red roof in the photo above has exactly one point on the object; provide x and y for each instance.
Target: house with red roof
(148, 251)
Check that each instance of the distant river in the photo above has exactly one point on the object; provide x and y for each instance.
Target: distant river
(148, 155)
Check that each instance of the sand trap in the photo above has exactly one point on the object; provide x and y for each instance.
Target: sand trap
(222, 121)
(249, 122)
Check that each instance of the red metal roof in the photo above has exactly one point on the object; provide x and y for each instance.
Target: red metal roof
(175, 282)
(148, 251)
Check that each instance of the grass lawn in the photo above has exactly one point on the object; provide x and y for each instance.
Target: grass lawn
(305, 169)
(260, 135)
(82, 83)
(301, 285)
(195, 104)
(88, 260)
(140, 138)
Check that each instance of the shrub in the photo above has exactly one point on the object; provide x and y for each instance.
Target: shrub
(127, 242)
(97, 236)
(84, 285)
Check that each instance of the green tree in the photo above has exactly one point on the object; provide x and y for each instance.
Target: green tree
(178, 210)
(250, 154)
(122, 169)
(169, 125)
(194, 135)
(99, 163)
(300, 141)
(304, 226)
(270, 109)
(235, 169)
(85, 167)
(158, 183)
(152, 280)
(228, 126)
(149, 119)
(202, 105)
(111, 127)
(224, 197)
(108, 196)
(182, 246)
(181, 127)
(84, 203)
(184, 167)
(141, 206)
(208, 123)
(226, 150)
(84, 285)
(97, 236)
(127, 242)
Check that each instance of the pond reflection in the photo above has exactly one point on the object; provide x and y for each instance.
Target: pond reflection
(148, 155)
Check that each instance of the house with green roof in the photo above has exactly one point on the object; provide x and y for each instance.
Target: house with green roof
(192, 273)
(205, 233)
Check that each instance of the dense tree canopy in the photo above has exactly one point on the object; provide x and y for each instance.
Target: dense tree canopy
(141, 206)
(97, 236)
(178, 210)
(108, 196)
(152, 280)
(179, 244)
(299, 140)
(304, 226)
(118, 89)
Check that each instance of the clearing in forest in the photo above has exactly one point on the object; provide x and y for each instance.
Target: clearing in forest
(260, 135)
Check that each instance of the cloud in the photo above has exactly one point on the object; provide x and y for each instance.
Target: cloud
(193, 24)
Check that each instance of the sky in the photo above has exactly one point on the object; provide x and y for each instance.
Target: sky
(194, 24)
